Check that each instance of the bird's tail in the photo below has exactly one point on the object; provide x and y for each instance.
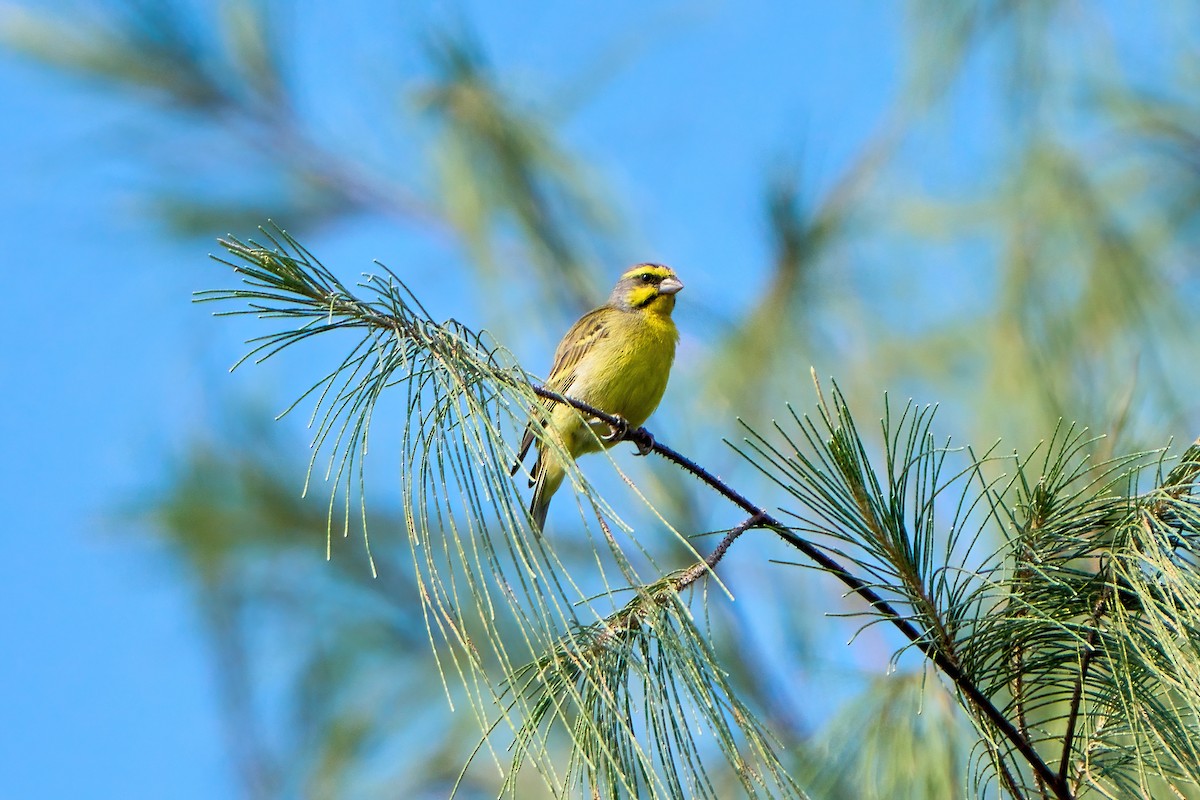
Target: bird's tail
(548, 476)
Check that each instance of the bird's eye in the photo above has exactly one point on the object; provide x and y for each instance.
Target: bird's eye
(646, 277)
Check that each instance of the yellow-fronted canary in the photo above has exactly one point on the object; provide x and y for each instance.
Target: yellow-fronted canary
(616, 358)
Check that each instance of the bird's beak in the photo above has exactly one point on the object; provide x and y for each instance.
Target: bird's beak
(670, 286)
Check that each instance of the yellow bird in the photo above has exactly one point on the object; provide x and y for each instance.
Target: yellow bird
(617, 359)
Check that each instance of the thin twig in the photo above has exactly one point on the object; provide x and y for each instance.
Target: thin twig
(1011, 782)
(645, 440)
(1019, 702)
(692, 574)
(1085, 662)
(1018, 669)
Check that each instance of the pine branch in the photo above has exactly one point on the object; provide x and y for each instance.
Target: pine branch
(476, 563)
(645, 440)
(465, 391)
(277, 281)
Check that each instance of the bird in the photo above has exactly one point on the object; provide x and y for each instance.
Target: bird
(616, 358)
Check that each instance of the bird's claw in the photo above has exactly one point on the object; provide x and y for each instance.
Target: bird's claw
(619, 429)
(620, 432)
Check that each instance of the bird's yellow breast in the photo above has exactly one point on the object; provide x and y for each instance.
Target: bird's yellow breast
(626, 372)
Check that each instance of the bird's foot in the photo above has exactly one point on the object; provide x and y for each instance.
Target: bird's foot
(618, 430)
(644, 441)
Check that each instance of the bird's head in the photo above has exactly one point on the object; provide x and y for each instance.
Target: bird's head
(646, 286)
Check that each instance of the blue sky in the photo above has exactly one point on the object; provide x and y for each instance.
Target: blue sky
(105, 687)
(108, 368)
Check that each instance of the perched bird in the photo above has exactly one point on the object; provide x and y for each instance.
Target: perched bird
(617, 359)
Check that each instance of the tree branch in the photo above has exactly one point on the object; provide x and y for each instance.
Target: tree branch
(646, 441)
(708, 564)
(272, 276)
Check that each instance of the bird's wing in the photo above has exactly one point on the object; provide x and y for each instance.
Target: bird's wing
(583, 335)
